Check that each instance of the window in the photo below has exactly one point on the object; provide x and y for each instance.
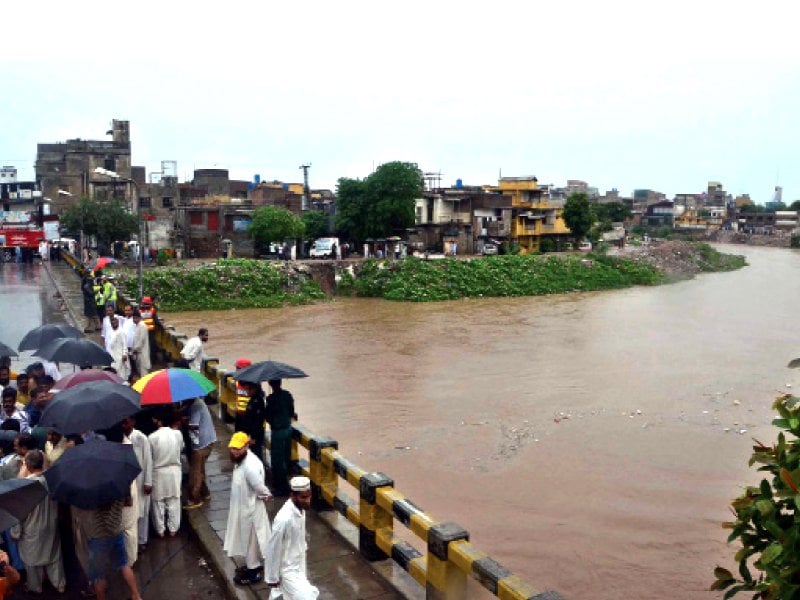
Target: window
(110, 163)
(166, 202)
(196, 218)
(144, 202)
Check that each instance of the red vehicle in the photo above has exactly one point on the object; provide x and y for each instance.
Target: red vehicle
(19, 235)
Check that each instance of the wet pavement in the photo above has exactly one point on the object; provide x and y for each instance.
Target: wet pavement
(171, 568)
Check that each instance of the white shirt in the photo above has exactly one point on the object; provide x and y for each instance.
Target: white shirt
(247, 512)
(129, 328)
(166, 445)
(193, 352)
(286, 555)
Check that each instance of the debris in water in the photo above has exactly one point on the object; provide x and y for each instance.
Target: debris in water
(726, 429)
(705, 412)
(742, 431)
(736, 402)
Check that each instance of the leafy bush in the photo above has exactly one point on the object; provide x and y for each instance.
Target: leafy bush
(231, 283)
(767, 517)
(417, 280)
(711, 260)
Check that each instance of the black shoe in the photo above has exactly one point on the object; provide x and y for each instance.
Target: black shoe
(251, 577)
(243, 570)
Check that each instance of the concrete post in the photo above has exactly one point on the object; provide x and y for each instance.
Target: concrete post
(322, 476)
(445, 580)
(372, 516)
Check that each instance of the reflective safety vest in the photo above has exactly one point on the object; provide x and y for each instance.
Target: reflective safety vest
(110, 293)
(99, 296)
(149, 317)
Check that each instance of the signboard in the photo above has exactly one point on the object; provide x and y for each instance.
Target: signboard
(14, 216)
(21, 237)
(51, 230)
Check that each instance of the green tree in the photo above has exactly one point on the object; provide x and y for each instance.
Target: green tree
(578, 214)
(274, 224)
(767, 519)
(108, 220)
(379, 205)
(795, 205)
(752, 208)
(316, 224)
(615, 212)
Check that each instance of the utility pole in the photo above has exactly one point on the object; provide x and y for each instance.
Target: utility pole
(306, 189)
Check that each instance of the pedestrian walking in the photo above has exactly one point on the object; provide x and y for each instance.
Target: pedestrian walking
(285, 571)
(247, 532)
(202, 436)
(193, 349)
(38, 540)
(166, 445)
(103, 528)
(140, 350)
(118, 348)
(279, 415)
(89, 306)
(144, 481)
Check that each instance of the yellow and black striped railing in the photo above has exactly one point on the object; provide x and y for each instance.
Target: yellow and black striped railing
(449, 559)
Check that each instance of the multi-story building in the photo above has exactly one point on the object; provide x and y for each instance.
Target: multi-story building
(534, 217)
(70, 167)
(465, 216)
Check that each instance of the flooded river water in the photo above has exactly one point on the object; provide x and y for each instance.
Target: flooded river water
(590, 443)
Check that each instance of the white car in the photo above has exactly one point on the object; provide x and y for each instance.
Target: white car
(490, 250)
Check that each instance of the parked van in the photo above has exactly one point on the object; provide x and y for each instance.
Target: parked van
(325, 248)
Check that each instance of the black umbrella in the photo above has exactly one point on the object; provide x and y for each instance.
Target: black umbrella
(39, 336)
(267, 370)
(93, 474)
(7, 350)
(77, 352)
(18, 497)
(90, 406)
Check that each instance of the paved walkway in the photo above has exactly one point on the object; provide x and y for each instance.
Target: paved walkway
(334, 565)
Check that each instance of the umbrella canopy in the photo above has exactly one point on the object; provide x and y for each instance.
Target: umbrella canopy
(89, 406)
(76, 352)
(18, 497)
(102, 263)
(86, 376)
(7, 350)
(40, 336)
(93, 474)
(172, 385)
(267, 370)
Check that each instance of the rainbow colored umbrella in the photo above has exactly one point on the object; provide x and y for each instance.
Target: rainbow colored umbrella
(168, 386)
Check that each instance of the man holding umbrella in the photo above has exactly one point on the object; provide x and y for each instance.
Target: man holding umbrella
(280, 412)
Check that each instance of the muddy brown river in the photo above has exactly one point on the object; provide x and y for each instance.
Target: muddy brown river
(590, 443)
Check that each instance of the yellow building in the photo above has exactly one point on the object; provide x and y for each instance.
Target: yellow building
(535, 217)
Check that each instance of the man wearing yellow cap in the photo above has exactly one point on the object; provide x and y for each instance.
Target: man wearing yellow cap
(248, 527)
(285, 571)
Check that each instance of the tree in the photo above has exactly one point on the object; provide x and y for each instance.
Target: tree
(316, 224)
(273, 224)
(108, 220)
(578, 214)
(795, 205)
(767, 523)
(615, 212)
(379, 205)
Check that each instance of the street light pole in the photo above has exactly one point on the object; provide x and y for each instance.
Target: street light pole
(80, 205)
(140, 253)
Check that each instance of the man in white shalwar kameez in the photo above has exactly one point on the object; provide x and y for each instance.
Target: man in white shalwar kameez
(130, 519)
(248, 528)
(141, 345)
(166, 445)
(118, 349)
(144, 480)
(39, 542)
(285, 571)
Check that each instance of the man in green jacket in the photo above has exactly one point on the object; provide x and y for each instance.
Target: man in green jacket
(280, 412)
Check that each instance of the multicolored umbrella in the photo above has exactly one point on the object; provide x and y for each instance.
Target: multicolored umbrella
(102, 263)
(168, 386)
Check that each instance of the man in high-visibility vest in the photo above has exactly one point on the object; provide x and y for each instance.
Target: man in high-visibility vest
(110, 291)
(148, 312)
(242, 394)
(99, 300)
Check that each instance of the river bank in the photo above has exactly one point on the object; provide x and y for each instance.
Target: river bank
(245, 283)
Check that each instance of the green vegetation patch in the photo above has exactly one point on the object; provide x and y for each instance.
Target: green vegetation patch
(709, 259)
(231, 283)
(416, 280)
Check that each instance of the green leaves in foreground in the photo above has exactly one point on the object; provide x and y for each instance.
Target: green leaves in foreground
(767, 517)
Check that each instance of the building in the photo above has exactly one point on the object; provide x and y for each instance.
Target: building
(659, 214)
(20, 196)
(534, 216)
(70, 167)
(465, 216)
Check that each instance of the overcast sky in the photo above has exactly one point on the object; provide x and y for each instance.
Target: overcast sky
(661, 95)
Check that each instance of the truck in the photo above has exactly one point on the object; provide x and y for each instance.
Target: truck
(16, 232)
(326, 247)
